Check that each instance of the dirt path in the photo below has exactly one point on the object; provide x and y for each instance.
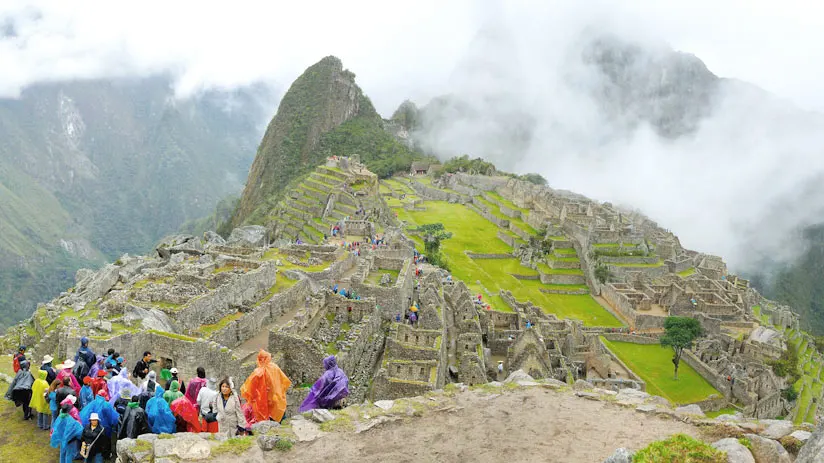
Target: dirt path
(527, 425)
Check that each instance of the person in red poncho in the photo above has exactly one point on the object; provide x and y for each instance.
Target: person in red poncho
(265, 389)
(186, 415)
(99, 384)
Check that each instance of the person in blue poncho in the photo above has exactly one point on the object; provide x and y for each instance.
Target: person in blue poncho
(86, 394)
(107, 415)
(159, 415)
(66, 433)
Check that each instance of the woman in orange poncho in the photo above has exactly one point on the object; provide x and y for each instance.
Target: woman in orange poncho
(265, 389)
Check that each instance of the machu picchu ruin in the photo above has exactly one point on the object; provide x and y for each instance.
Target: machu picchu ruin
(539, 280)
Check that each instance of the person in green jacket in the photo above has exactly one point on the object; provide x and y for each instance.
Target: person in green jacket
(173, 393)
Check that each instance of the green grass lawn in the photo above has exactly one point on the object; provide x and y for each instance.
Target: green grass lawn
(474, 233)
(686, 272)
(723, 411)
(506, 202)
(653, 364)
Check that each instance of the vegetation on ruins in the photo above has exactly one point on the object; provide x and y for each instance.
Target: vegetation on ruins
(602, 273)
(679, 448)
(680, 332)
(433, 234)
(465, 164)
(533, 178)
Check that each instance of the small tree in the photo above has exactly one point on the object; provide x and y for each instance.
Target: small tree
(433, 234)
(602, 273)
(680, 334)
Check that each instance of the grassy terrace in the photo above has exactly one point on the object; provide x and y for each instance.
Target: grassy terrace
(687, 272)
(471, 232)
(660, 263)
(496, 211)
(274, 254)
(374, 277)
(506, 202)
(653, 364)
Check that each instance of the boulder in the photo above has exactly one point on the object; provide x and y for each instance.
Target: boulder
(177, 258)
(96, 285)
(165, 246)
(267, 442)
(518, 375)
(264, 427)
(631, 397)
(588, 395)
(621, 455)
(581, 385)
(150, 319)
(193, 246)
(183, 446)
(385, 404)
(647, 408)
(322, 415)
(690, 410)
(813, 449)
(386, 280)
(776, 429)
(305, 431)
(212, 238)
(736, 453)
(767, 450)
(128, 451)
(733, 418)
(253, 236)
(803, 436)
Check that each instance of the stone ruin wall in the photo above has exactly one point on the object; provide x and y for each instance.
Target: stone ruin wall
(250, 324)
(212, 307)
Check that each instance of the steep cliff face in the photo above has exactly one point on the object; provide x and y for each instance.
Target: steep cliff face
(322, 98)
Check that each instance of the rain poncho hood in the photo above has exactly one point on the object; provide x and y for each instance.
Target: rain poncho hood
(121, 383)
(98, 365)
(173, 393)
(183, 408)
(86, 396)
(107, 414)
(159, 415)
(64, 430)
(331, 387)
(40, 386)
(72, 410)
(265, 389)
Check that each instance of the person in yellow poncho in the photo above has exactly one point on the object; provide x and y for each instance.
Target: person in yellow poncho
(38, 402)
(265, 389)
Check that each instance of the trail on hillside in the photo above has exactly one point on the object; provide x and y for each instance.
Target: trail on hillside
(528, 425)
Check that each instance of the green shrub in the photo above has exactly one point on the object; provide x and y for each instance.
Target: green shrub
(679, 448)
(745, 442)
(791, 444)
(284, 445)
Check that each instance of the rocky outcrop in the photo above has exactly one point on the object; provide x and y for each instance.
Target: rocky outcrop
(813, 450)
(767, 450)
(252, 236)
(736, 452)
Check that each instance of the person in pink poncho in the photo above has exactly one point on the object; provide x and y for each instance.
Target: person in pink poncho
(195, 385)
(66, 372)
(70, 401)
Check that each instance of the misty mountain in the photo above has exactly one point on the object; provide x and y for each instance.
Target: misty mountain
(90, 170)
(736, 169)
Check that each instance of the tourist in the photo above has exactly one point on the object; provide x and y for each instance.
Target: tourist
(66, 373)
(85, 359)
(54, 405)
(173, 393)
(106, 414)
(141, 369)
(98, 366)
(186, 416)
(118, 367)
(18, 357)
(195, 385)
(69, 404)
(92, 446)
(134, 422)
(86, 395)
(121, 383)
(398, 317)
(413, 318)
(329, 389)
(159, 414)
(121, 402)
(265, 389)
(227, 406)
(99, 384)
(46, 365)
(66, 432)
(500, 367)
(204, 404)
(20, 389)
(39, 400)
(150, 383)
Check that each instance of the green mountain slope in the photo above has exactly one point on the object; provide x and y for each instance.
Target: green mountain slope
(324, 113)
(94, 169)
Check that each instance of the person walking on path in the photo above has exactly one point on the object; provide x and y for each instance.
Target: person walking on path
(66, 433)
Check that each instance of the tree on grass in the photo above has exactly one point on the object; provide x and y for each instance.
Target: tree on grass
(602, 274)
(433, 234)
(680, 334)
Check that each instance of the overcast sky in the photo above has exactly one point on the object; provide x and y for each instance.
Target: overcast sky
(397, 50)
(724, 191)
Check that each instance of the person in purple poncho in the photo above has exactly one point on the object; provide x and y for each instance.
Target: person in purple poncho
(329, 389)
